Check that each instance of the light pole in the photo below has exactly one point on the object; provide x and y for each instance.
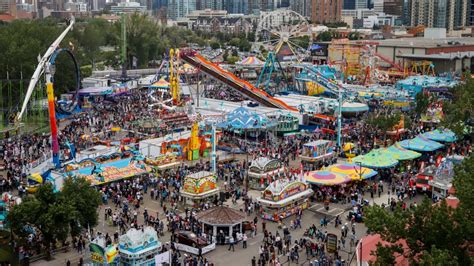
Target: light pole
(339, 118)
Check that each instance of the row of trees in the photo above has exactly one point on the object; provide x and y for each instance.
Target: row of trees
(56, 215)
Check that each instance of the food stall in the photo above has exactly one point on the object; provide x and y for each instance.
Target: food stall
(199, 187)
(319, 150)
(261, 171)
(283, 198)
(139, 247)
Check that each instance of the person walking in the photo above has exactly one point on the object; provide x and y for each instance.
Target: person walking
(244, 241)
(231, 243)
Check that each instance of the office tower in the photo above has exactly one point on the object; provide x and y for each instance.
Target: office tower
(359, 4)
(303, 7)
(180, 8)
(326, 11)
(209, 4)
(393, 7)
(378, 6)
(349, 4)
(236, 6)
(449, 14)
(158, 4)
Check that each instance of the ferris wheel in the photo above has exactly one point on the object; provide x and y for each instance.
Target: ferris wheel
(282, 27)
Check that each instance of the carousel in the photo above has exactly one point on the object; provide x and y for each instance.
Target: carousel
(222, 222)
(262, 170)
(319, 150)
(283, 198)
(199, 187)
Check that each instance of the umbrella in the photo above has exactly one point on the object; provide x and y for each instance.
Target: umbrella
(376, 159)
(420, 143)
(326, 178)
(354, 171)
(444, 135)
(401, 154)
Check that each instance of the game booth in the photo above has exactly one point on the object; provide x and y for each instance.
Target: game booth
(221, 222)
(283, 198)
(139, 247)
(317, 151)
(106, 169)
(103, 253)
(199, 187)
(262, 170)
(163, 162)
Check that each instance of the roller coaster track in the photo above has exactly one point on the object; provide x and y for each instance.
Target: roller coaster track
(240, 85)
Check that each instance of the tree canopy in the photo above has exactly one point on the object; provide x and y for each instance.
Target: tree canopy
(435, 234)
(56, 215)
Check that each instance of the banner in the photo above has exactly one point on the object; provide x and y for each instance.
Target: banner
(195, 251)
(331, 246)
(163, 258)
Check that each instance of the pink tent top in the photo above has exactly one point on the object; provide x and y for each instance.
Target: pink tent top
(369, 244)
(252, 60)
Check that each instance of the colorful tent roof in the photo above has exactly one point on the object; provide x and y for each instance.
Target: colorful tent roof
(251, 61)
(242, 118)
(401, 154)
(375, 159)
(444, 135)
(353, 171)
(160, 84)
(420, 143)
(326, 178)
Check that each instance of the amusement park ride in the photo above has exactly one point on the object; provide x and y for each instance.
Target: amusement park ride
(46, 65)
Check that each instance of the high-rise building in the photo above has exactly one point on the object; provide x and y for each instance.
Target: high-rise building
(303, 7)
(209, 4)
(449, 14)
(349, 4)
(236, 6)
(180, 8)
(359, 4)
(378, 6)
(326, 10)
(393, 7)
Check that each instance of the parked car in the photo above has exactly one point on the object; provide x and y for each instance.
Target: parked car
(191, 239)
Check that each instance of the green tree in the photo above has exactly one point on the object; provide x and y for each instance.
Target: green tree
(459, 112)
(47, 212)
(384, 122)
(435, 234)
(84, 199)
(422, 101)
(325, 36)
(215, 45)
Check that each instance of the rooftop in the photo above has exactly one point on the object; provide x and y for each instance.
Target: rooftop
(422, 42)
(221, 215)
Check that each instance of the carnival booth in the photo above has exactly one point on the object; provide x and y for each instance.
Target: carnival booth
(103, 253)
(262, 170)
(139, 247)
(106, 169)
(420, 143)
(376, 159)
(443, 135)
(283, 198)
(164, 161)
(442, 180)
(200, 186)
(222, 222)
(319, 150)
